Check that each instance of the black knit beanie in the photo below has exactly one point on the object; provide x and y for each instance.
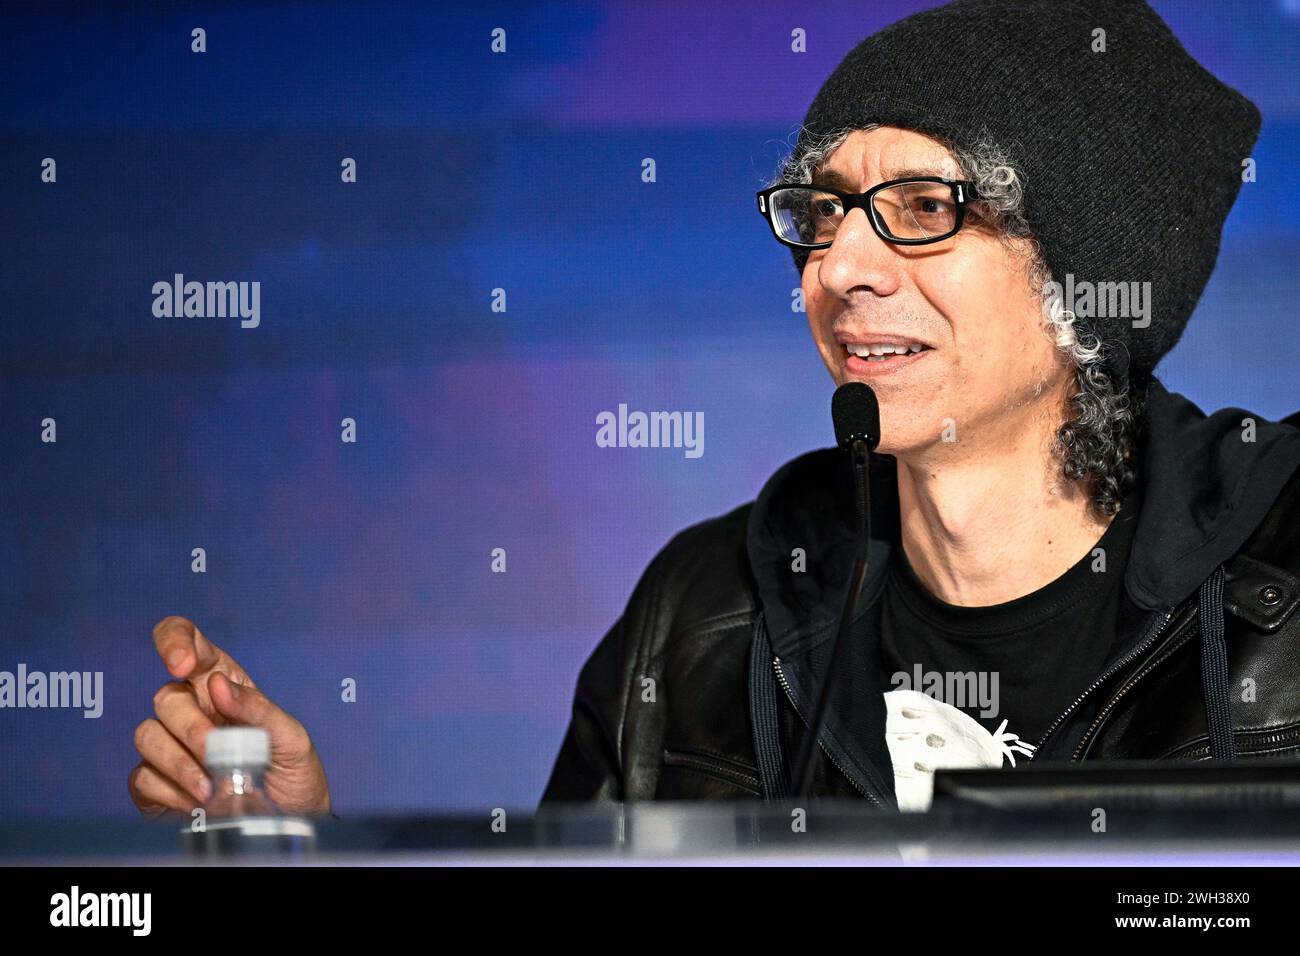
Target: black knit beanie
(1131, 156)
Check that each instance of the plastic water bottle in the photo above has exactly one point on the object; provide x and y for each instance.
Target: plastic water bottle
(237, 758)
(240, 818)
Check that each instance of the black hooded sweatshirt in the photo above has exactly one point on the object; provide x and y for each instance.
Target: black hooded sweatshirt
(1204, 483)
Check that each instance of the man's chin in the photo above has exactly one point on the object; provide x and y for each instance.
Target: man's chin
(893, 449)
(901, 436)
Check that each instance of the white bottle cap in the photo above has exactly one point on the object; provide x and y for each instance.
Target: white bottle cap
(238, 747)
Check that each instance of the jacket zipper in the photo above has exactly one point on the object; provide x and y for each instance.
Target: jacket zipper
(1204, 750)
(1124, 661)
(785, 685)
(1110, 704)
(715, 765)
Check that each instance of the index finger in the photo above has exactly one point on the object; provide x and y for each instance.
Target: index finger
(185, 651)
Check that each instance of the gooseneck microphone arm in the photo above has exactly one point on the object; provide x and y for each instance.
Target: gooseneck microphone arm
(857, 428)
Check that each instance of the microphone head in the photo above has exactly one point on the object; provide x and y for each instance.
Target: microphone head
(856, 414)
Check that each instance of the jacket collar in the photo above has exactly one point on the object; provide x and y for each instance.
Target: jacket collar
(1204, 488)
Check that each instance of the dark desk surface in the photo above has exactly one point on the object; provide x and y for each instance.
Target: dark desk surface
(748, 833)
(1122, 814)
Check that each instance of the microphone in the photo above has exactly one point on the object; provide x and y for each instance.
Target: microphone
(856, 415)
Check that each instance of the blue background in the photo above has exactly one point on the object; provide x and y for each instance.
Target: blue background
(476, 428)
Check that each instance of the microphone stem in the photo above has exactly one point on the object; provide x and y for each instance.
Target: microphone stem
(862, 486)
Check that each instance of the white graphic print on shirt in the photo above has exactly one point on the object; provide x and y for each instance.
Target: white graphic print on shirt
(925, 733)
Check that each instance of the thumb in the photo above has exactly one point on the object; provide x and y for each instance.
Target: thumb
(243, 704)
(227, 698)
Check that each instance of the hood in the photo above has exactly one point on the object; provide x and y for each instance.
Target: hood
(1205, 489)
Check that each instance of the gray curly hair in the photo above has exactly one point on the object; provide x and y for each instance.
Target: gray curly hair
(1097, 445)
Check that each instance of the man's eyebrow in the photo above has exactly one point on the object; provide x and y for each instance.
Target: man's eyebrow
(837, 180)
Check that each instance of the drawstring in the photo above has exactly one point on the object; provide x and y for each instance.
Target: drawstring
(1214, 667)
(763, 705)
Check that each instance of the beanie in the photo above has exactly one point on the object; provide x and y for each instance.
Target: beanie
(1130, 151)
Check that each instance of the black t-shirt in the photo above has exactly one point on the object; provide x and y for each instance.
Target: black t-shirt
(1023, 661)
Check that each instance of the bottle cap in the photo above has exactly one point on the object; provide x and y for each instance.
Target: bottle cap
(238, 747)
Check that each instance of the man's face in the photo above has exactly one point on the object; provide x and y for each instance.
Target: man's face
(988, 368)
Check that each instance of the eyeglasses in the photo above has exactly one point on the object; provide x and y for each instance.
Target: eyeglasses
(910, 212)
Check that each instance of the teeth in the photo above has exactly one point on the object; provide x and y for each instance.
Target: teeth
(863, 351)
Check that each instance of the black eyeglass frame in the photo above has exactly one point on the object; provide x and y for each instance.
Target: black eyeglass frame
(963, 191)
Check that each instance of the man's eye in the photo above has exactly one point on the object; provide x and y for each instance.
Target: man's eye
(932, 207)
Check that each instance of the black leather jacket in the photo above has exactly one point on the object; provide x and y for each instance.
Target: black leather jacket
(701, 688)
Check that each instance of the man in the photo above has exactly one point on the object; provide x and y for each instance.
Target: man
(1067, 561)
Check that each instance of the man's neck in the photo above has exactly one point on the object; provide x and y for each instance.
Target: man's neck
(987, 530)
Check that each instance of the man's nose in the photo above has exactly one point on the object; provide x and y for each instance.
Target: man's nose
(859, 258)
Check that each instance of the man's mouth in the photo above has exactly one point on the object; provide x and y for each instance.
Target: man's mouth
(885, 352)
